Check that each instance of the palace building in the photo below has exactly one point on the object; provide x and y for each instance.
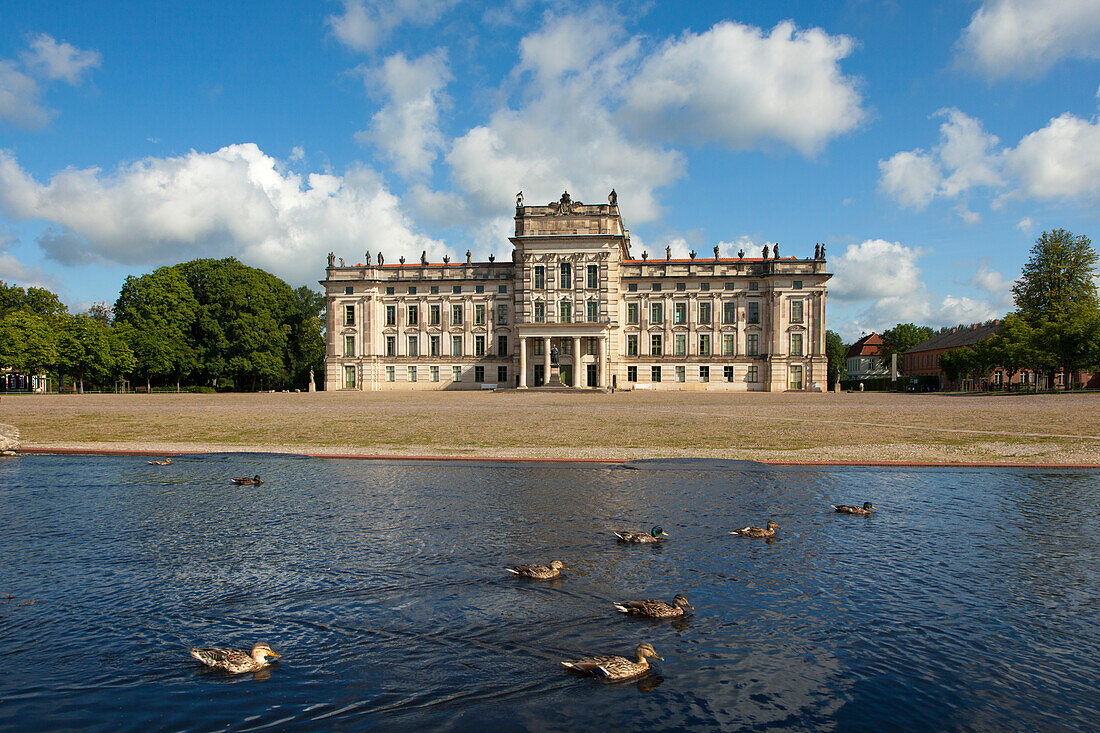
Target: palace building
(572, 308)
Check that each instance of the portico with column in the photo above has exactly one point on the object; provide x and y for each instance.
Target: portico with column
(536, 345)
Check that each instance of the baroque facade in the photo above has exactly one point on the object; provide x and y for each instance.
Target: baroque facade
(571, 304)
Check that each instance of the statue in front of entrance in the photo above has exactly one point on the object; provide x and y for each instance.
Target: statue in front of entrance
(553, 354)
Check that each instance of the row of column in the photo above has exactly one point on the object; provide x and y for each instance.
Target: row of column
(601, 370)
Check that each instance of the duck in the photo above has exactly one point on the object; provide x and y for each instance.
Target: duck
(255, 480)
(656, 609)
(630, 535)
(757, 531)
(539, 572)
(616, 668)
(235, 660)
(861, 511)
(165, 462)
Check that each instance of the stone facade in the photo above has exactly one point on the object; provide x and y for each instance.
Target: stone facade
(572, 304)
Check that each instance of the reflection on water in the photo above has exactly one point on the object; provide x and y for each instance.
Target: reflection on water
(969, 601)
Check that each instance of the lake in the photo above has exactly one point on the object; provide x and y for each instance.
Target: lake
(969, 602)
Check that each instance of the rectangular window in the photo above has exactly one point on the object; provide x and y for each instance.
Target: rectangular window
(632, 344)
(502, 375)
(728, 341)
(502, 288)
(632, 374)
(502, 345)
(593, 280)
(479, 374)
(754, 286)
(456, 315)
(391, 315)
(632, 287)
(456, 346)
(656, 313)
(655, 287)
(704, 374)
(729, 312)
(414, 316)
(456, 289)
(412, 374)
(391, 374)
(456, 374)
(412, 290)
(797, 284)
(348, 290)
(590, 346)
(631, 312)
(391, 346)
(349, 315)
(796, 344)
(390, 290)
(479, 288)
(434, 290)
(681, 287)
(704, 312)
(796, 311)
(727, 372)
(704, 286)
(592, 309)
(729, 286)
(433, 315)
(655, 374)
(479, 314)
(414, 346)
(752, 345)
(349, 346)
(681, 374)
(433, 346)
(565, 269)
(753, 375)
(704, 344)
(479, 345)
(655, 344)
(502, 314)
(540, 277)
(433, 373)
(681, 344)
(680, 314)
(754, 311)
(538, 347)
(565, 312)
(795, 377)
(540, 312)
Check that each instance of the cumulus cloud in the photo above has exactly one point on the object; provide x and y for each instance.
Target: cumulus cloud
(235, 201)
(741, 87)
(14, 272)
(54, 60)
(363, 25)
(994, 283)
(406, 129)
(1026, 225)
(1059, 161)
(875, 268)
(1024, 38)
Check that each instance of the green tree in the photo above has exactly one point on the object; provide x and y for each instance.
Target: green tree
(84, 350)
(1072, 340)
(28, 342)
(156, 313)
(1057, 278)
(307, 335)
(900, 339)
(1013, 346)
(32, 299)
(837, 354)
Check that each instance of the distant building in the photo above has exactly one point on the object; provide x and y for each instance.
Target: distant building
(864, 361)
(572, 307)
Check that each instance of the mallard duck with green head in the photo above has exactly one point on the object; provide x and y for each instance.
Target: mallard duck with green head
(656, 609)
(235, 660)
(538, 572)
(653, 535)
(616, 668)
(758, 531)
(860, 511)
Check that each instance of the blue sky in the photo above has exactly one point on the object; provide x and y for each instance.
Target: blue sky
(926, 144)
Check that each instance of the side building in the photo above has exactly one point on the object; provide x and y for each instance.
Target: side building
(572, 303)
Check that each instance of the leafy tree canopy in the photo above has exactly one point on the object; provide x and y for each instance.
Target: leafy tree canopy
(901, 338)
(1057, 278)
(837, 354)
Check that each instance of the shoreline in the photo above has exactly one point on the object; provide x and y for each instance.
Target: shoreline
(329, 453)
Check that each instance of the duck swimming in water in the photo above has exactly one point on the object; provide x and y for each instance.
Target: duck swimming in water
(656, 609)
(860, 511)
(654, 535)
(255, 480)
(235, 660)
(165, 462)
(616, 668)
(539, 572)
(757, 531)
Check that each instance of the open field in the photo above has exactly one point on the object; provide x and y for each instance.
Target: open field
(808, 427)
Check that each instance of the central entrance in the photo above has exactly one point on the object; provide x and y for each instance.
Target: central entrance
(567, 375)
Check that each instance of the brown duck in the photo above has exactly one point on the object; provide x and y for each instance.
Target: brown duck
(656, 609)
(539, 572)
(616, 668)
(235, 660)
(860, 511)
(757, 531)
(254, 481)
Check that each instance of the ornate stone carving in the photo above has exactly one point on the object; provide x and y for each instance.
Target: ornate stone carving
(446, 259)
(401, 259)
(716, 251)
(341, 262)
(565, 206)
(492, 257)
(691, 254)
(740, 254)
(645, 255)
(613, 198)
(519, 199)
(331, 259)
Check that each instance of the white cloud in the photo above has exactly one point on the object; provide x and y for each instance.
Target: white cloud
(406, 129)
(55, 60)
(1024, 38)
(364, 25)
(741, 87)
(911, 178)
(995, 284)
(1061, 160)
(14, 272)
(297, 154)
(875, 268)
(235, 201)
(19, 98)
(1026, 225)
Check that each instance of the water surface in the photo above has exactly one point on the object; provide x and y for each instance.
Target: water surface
(970, 602)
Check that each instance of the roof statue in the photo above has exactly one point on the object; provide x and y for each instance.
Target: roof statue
(740, 254)
(645, 255)
(613, 198)
(822, 250)
(565, 205)
(668, 253)
(817, 251)
(401, 259)
(765, 252)
(341, 262)
(424, 258)
(492, 257)
(368, 257)
(691, 254)
(716, 251)
(775, 250)
(331, 259)
(468, 256)
(519, 199)
(446, 259)
(381, 259)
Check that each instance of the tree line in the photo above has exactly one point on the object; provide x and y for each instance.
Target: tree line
(211, 323)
